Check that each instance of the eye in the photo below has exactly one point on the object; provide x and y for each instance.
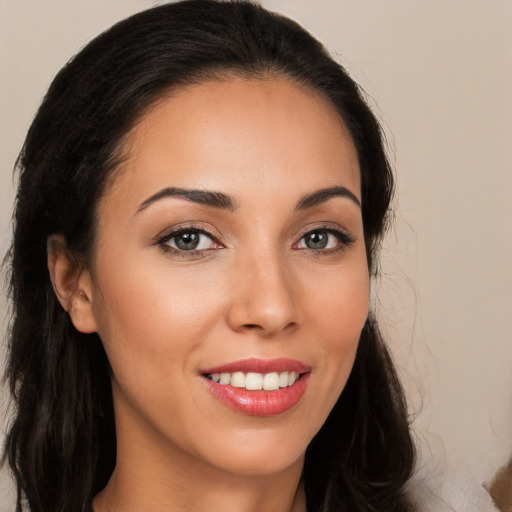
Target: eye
(188, 240)
(324, 240)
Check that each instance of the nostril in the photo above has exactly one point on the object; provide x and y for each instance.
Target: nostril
(262, 328)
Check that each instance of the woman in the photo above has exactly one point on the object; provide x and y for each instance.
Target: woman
(202, 196)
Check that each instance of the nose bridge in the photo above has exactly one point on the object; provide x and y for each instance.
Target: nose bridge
(264, 298)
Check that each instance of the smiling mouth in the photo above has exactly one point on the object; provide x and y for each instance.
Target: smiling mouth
(259, 387)
(258, 394)
(253, 381)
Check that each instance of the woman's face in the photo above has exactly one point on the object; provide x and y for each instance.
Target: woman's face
(231, 247)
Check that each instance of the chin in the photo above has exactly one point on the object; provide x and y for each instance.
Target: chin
(257, 452)
(258, 465)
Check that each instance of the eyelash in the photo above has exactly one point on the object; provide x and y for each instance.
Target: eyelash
(194, 254)
(343, 238)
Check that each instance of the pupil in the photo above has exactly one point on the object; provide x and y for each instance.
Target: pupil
(317, 240)
(187, 241)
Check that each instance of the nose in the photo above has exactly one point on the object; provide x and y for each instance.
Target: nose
(263, 297)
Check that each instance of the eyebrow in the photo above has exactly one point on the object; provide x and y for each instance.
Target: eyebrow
(206, 197)
(225, 202)
(323, 195)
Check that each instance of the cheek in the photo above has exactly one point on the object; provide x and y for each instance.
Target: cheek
(337, 315)
(340, 302)
(151, 317)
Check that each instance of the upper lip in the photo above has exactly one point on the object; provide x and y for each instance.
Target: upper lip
(264, 366)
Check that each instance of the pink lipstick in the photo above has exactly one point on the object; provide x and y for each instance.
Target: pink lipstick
(259, 387)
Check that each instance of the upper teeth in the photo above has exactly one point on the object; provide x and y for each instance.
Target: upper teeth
(256, 381)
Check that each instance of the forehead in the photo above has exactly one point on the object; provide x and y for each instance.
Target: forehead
(236, 135)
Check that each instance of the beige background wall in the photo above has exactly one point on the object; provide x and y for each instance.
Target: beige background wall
(440, 72)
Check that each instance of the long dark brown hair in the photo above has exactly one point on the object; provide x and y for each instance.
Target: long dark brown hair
(61, 444)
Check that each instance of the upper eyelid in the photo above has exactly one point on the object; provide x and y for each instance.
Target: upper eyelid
(172, 232)
(325, 226)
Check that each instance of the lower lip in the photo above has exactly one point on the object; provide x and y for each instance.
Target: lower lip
(260, 403)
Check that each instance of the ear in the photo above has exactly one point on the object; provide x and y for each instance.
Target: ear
(72, 284)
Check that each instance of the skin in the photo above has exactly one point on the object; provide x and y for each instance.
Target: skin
(255, 289)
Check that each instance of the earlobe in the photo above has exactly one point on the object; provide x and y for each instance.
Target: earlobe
(72, 284)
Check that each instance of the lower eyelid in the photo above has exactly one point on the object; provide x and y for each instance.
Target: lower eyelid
(176, 254)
